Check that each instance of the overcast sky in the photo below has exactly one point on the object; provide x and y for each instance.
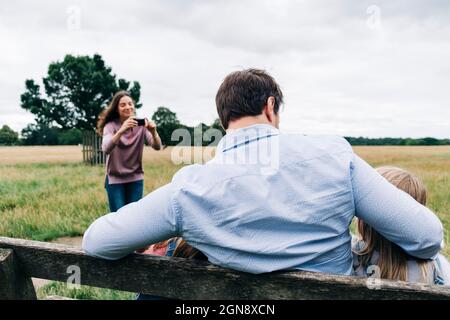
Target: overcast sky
(358, 68)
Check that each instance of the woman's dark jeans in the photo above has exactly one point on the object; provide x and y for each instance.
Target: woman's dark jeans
(121, 194)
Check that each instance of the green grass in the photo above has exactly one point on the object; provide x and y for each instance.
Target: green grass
(83, 293)
(47, 201)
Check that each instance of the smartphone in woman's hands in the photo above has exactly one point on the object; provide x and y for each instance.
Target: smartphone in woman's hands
(140, 122)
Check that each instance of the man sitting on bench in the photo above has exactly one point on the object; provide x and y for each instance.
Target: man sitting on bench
(268, 200)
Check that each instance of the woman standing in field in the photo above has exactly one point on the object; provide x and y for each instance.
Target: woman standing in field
(123, 143)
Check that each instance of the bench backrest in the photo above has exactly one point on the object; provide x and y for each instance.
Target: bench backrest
(183, 278)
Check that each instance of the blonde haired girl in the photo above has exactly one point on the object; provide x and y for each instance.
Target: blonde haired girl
(394, 264)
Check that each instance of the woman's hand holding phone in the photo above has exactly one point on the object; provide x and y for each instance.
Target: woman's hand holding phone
(127, 124)
(150, 125)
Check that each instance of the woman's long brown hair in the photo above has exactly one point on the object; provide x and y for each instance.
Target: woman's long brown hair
(393, 260)
(111, 112)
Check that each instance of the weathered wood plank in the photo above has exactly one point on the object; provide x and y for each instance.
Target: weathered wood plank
(14, 284)
(7, 289)
(189, 279)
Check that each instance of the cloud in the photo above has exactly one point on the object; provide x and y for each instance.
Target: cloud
(340, 72)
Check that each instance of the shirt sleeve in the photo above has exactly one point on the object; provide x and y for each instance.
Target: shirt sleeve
(132, 227)
(148, 137)
(395, 214)
(107, 143)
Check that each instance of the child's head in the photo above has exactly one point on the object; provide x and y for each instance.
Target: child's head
(405, 181)
(392, 259)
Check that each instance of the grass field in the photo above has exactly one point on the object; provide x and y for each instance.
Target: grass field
(47, 193)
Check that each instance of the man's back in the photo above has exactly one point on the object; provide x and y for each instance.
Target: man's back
(270, 201)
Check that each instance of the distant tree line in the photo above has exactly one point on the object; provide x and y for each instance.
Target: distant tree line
(34, 134)
(361, 141)
(167, 123)
(166, 120)
(8, 137)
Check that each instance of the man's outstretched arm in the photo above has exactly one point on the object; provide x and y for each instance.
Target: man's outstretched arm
(394, 213)
(132, 227)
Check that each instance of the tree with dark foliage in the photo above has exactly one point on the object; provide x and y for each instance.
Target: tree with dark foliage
(77, 89)
(8, 136)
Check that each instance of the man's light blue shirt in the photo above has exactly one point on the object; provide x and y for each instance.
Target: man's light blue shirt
(271, 201)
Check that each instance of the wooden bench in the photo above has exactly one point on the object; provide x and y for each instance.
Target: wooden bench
(184, 279)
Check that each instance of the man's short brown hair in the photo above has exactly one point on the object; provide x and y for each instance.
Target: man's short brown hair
(245, 93)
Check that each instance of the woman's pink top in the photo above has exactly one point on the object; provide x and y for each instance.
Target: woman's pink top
(124, 158)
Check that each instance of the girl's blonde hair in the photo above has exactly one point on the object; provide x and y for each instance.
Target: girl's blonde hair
(393, 261)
